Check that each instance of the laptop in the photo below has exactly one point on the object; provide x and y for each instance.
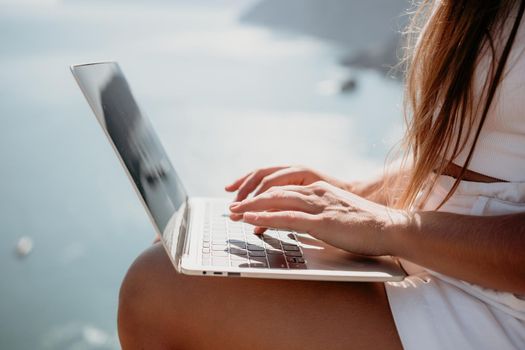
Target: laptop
(197, 233)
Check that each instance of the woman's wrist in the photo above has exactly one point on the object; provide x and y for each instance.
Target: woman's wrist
(400, 224)
(371, 190)
(335, 182)
(357, 187)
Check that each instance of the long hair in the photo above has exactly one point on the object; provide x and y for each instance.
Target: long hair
(439, 95)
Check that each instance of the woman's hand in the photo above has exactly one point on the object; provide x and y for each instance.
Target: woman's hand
(337, 217)
(265, 178)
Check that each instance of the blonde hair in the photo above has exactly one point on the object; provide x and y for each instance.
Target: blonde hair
(441, 62)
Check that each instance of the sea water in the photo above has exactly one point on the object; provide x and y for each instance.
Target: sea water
(225, 98)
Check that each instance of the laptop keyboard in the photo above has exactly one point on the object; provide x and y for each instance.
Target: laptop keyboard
(227, 243)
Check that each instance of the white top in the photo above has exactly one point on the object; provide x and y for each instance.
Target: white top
(500, 150)
(435, 312)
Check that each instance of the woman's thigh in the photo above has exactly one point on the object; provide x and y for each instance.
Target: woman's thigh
(160, 308)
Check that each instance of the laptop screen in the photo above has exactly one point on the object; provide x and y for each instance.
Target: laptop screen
(112, 101)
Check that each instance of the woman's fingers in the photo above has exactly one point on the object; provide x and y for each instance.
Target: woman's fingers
(277, 200)
(235, 185)
(286, 220)
(236, 216)
(258, 230)
(278, 178)
(251, 182)
(291, 188)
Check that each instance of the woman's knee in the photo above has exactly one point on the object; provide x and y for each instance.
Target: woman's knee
(142, 273)
(142, 290)
(158, 304)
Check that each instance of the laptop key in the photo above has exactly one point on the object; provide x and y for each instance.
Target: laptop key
(273, 242)
(240, 263)
(220, 235)
(294, 259)
(248, 227)
(258, 262)
(239, 257)
(293, 253)
(236, 235)
(237, 242)
(254, 242)
(277, 261)
(259, 265)
(290, 247)
(252, 247)
(257, 253)
(274, 251)
(237, 251)
(219, 253)
(253, 237)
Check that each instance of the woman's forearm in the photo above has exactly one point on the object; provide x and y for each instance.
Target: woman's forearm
(485, 250)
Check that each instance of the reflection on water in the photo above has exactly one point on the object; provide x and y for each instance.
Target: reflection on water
(79, 337)
(224, 97)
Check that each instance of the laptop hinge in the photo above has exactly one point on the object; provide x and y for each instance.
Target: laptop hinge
(181, 245)
(186, 227)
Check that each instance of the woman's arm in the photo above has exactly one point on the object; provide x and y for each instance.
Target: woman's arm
(485, 250)
(489, 251)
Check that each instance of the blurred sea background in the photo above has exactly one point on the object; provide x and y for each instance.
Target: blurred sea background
(230, 85)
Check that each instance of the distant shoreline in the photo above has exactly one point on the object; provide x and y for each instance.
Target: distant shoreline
(369, 31)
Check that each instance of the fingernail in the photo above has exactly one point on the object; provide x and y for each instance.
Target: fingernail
(234, 205)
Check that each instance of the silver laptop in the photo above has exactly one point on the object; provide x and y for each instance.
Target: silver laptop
(197, 233)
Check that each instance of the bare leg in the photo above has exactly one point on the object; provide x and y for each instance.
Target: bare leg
(161, 309)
